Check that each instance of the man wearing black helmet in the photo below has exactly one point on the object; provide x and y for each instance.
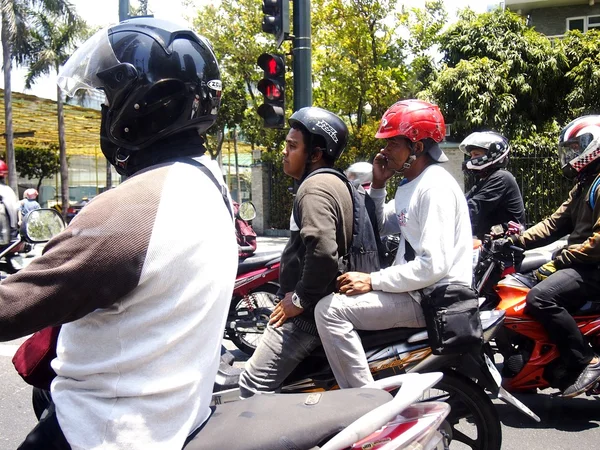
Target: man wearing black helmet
(309, 263)
(495, 198)
(142, 300)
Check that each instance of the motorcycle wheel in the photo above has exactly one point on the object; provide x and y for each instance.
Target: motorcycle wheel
(473, 421)
(263, 300)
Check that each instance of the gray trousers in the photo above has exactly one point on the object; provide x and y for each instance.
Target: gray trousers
(339, 316)
(279, 352)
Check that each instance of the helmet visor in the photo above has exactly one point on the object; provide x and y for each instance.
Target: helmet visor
(573, 148)
(81, 69)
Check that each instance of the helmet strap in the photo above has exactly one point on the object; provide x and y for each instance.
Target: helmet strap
(122, 158)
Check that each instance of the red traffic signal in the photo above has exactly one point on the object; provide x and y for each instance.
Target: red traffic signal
(272, 87)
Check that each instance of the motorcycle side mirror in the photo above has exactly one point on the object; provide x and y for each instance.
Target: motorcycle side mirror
(41, 225)
(246, 211)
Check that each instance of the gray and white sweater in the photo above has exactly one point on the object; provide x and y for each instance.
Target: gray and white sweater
(141, 283)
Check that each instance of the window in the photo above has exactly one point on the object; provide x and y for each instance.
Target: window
(583, 24)
(593, 22)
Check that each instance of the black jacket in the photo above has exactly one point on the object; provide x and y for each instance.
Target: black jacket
(494, 200)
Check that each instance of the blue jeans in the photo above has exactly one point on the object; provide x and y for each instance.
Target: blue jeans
(279, 352)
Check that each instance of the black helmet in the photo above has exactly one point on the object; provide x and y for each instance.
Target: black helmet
(326, 124)
(159, 80)
(496, 149)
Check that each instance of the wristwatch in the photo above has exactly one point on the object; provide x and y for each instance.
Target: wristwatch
(296, 301)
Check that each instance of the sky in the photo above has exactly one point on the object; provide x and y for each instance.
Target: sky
(178, 11)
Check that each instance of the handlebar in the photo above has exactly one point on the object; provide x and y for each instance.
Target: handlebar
(246, 248)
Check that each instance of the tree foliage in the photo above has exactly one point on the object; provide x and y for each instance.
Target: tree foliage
(582, 51)
(497, 73)
(37, 162)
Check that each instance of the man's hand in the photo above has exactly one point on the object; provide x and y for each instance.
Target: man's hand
(284, 310)
(380, 171)
(545, 271)
(354, 283)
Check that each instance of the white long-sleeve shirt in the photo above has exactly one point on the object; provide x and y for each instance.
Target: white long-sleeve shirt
(430, 212)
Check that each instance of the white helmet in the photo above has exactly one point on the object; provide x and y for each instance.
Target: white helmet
(579, 145)
(495, 146)
(361, 172)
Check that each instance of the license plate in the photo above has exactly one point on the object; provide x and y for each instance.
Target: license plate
(492, 368)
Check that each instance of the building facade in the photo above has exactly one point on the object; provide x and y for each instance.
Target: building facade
(555, 17)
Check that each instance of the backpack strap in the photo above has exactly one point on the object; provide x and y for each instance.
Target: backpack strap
(330, 170)
(592, 192)
(222, 189)
(359, 198)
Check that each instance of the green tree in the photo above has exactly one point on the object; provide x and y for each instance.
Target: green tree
(498, 73)
(358, 58)
(424, 26)
(16, 45)
(582, 51)
(53, 38)
(37, 162)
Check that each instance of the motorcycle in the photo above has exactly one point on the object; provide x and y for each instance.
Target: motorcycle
(254, 298)
(472, 421)
(503, 278)
(255, 288)
(368, 417)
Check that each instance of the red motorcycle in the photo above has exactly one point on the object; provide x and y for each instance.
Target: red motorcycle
(503, 277)
(255, 289)
(254, 297)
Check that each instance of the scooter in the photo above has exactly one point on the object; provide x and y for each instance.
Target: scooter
(473, 420)
(369, 418)
(503, 278)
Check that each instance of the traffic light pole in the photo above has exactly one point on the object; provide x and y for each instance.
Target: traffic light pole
(302, 55)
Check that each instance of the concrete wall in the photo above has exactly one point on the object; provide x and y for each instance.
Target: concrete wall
(553, 21)
(455, 160)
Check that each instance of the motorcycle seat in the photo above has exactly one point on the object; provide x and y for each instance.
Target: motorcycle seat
(284, 421)
(532, 262)
(257, 261)
(372, 339)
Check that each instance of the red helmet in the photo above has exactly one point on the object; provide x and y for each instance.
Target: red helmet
(3, 169)
(413, 119)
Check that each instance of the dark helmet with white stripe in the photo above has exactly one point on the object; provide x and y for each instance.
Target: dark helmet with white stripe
(159, 80)
(327, 125)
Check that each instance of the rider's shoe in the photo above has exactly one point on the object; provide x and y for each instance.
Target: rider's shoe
(587, 378)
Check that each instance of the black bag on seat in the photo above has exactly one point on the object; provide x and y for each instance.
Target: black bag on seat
(452, 317)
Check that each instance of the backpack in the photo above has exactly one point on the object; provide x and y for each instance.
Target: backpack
(592, 193)
(365, 252)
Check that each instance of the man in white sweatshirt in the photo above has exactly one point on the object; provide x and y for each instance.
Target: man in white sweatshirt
(430, 213)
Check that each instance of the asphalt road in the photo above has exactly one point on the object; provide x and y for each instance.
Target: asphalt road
(572, 424)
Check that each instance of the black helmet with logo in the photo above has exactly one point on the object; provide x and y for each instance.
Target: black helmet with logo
(326, 124)
(158, 78)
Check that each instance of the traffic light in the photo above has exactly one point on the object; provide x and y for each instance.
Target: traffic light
(277, 19)
(272, 87)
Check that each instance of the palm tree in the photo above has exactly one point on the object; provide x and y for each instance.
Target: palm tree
(52, 38)
(16, 46)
